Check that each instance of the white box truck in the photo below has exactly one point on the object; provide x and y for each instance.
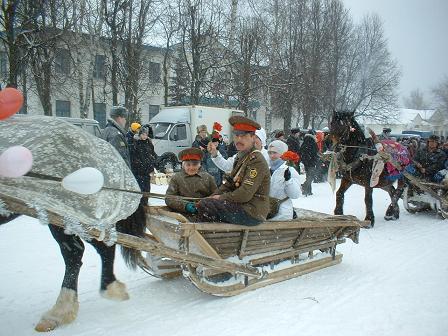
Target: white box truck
(175, 127)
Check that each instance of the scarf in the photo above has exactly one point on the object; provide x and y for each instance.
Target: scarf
(274, 165)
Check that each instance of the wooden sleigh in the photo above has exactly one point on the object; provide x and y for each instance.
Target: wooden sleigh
(255, 256)
(420, 195)
(225, 259)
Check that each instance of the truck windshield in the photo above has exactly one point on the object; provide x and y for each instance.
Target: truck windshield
(160, 129)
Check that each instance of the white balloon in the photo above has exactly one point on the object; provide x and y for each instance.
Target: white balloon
(84, 181)
(16, 161)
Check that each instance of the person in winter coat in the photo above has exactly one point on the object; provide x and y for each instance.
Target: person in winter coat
(133, 131)
(143, 159)
(293, 142)
(430, 160)
(208, 165)
(285, 182)
(189, 182)
(226, 164)
(114, 132)
(309, 156)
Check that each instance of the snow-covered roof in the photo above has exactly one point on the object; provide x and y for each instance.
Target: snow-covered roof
(403, 117)
(408, 115)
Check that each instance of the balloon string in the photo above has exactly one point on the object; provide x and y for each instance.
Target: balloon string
(143, 193)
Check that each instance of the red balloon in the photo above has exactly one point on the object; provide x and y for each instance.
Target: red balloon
(11, 101)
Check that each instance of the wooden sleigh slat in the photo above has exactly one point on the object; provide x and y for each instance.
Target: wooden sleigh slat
(305, 244)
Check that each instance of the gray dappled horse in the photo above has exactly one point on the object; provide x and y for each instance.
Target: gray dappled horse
(66, 307)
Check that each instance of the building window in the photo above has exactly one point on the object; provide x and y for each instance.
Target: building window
(62, 108)
(62, 61)
(154, 72)
(153, 111)
(99, 113)
(3, 65)
(99, 70)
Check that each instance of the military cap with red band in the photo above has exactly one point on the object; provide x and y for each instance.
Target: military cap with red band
(191, 154)
(243, 124)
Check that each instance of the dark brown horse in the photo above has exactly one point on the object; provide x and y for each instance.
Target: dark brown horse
(350, 145)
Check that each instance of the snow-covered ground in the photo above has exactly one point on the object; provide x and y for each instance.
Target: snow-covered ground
(395, 282)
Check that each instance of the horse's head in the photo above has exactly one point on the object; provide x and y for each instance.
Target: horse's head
(340, 124)
(343, 126)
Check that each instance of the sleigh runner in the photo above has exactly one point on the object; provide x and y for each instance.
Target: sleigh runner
(272, 251)
(420, 195)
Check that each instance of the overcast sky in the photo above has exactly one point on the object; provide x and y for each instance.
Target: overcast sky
(417, 31)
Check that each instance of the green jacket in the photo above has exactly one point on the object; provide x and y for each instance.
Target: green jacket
(198, 186)
(248, 184)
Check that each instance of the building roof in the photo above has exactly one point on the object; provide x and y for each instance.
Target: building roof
(404, 117)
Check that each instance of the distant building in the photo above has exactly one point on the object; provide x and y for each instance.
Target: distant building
(409, 119)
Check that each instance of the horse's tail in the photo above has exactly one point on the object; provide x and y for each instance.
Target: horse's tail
(134, 225)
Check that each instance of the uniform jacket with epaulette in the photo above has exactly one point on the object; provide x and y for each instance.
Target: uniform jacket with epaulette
(248, 184)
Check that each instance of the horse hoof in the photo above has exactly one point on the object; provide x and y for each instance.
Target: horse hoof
(116, 291)
(64, 311)
(46, 325)
(388, 218)
(372, 223)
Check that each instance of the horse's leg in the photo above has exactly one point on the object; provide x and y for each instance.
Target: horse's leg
(393, 211)
(369, 206)
(66, 307)
(345, 184)
(110, 287)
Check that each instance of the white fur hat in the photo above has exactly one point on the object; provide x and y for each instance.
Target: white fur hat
(261, 134)
(278, 146)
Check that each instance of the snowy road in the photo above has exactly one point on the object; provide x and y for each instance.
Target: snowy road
(393, 283)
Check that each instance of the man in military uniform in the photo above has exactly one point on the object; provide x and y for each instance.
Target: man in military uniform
(243, 198)
(114, 132)
(190, 182)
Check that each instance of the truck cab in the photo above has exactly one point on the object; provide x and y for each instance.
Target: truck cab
(174, 129)
(169, 140)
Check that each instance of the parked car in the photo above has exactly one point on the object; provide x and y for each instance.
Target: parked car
(89, 125)
(422, 134)
(402, 136)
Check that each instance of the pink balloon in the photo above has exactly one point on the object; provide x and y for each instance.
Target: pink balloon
(16, 161)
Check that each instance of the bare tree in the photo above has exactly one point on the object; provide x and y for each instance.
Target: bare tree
(440, 93)
(170, 23)
(49, 21)
(247, 69)
(84, 45)
(12, 39)
(415, 100)
(138, 23)
(201, 43)
(371, 88)
(114, 14)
